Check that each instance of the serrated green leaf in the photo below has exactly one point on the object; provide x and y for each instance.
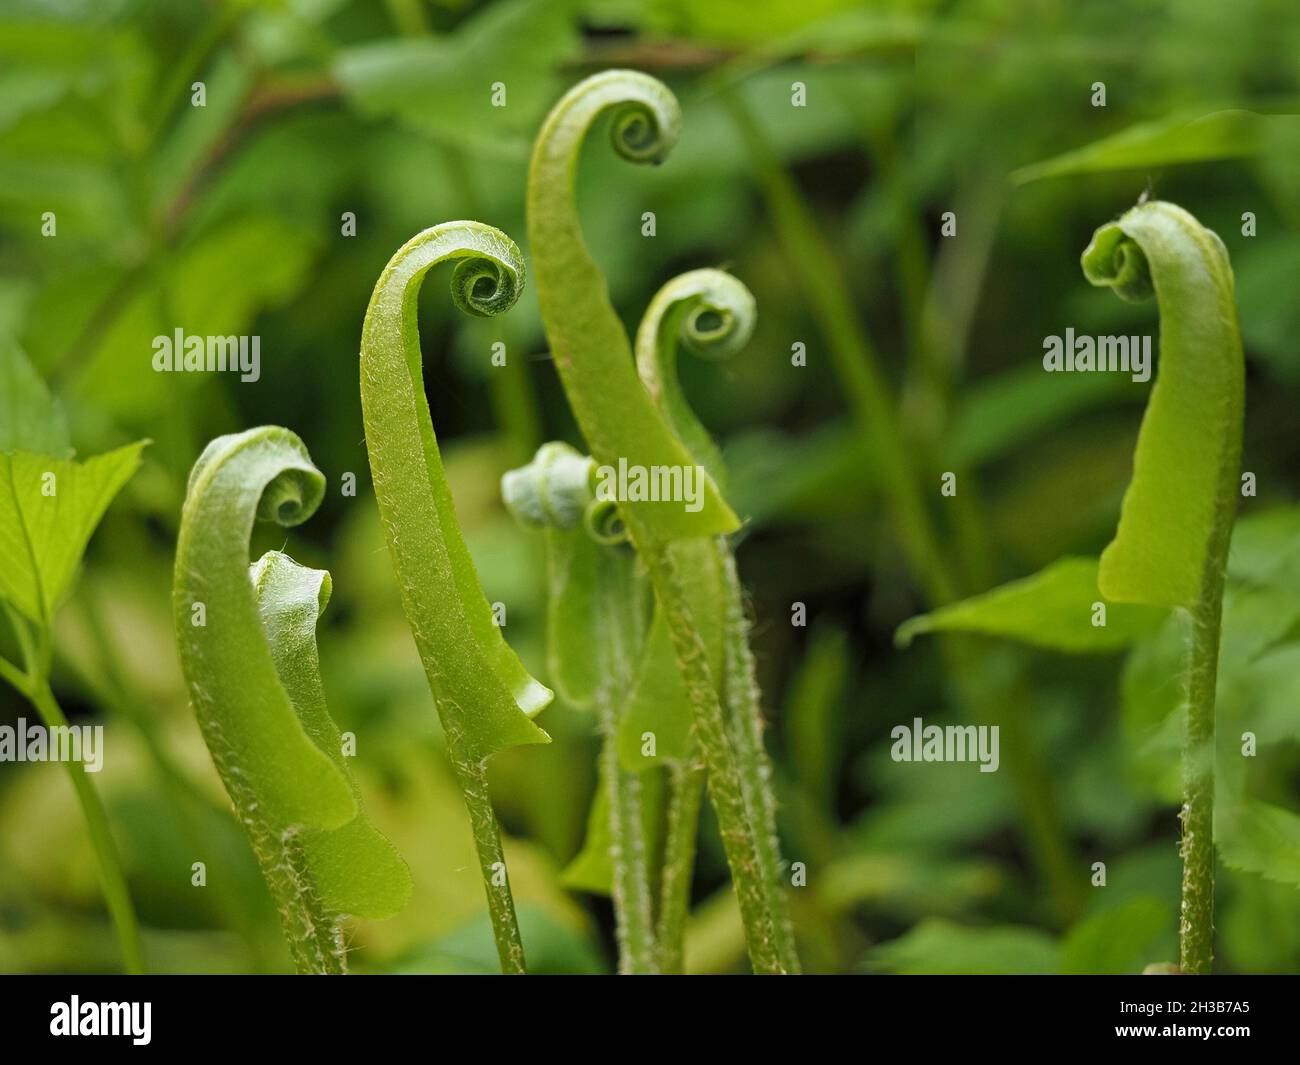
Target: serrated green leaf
(1052, 609)
(1273, 713)
(48, 510)
(30, 418)
(1257, 837)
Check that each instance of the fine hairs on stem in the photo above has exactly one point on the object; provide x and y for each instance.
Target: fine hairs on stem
(247, 642)
(620, 422)
(1185, 484)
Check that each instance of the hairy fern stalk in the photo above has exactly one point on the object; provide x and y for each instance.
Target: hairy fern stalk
(247, 642)
(620, 422)
(1171, 547)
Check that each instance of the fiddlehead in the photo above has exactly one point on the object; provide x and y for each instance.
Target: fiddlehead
(1175, 523)
(620, 423)
(485, 698)
(591, 349)
(595, 635)
(712, 314)
(709, 313)
(247, 648)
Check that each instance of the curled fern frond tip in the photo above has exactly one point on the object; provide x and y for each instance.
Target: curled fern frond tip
(1114, 260)
(553, 490)
(646, 118)
(483, 693)
(721, 311)
(710, 313)
(604, 524)
(484, 287)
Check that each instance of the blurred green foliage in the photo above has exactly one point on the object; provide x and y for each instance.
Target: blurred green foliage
(228, 218)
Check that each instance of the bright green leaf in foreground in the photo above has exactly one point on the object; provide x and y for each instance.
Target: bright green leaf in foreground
(248, 652)
(1179, 507)
(1175, 524)
(354, 868)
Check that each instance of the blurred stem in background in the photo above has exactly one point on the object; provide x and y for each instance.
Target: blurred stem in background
(814, 264)
(33, 681)
(112, 688)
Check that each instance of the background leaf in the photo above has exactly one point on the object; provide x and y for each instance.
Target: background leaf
(1052, 609)
(30, 419)
(48, 510)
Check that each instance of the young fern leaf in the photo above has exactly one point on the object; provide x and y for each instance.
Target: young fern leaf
(712, 314)
(485, 698)
(595, 593)
(591, 349)
(619, 421)
(1171, 547)
(247, 649)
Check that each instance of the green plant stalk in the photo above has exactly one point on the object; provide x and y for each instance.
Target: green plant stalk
(1185, 478)
(686, 790)
(471, 776)
(638, 951)
(1196, 916)
(108, 863)
(34, 684)
(597, 635)
(619, 637)
(725, 786)
(745, 720)
(484, 696)
(594, 358)
(712, 314)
